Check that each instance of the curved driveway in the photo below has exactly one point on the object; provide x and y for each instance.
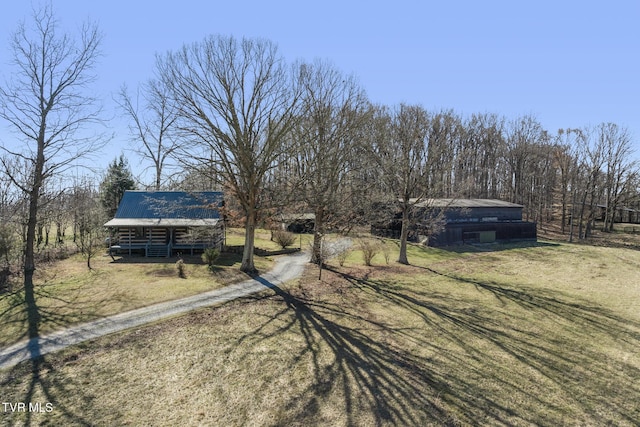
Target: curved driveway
(286, 268)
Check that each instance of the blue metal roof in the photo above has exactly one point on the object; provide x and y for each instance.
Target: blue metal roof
(170, 204)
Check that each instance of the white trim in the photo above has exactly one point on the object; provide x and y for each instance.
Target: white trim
(162, 222)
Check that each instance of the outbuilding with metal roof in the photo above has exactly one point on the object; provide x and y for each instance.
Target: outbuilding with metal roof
(444, 222)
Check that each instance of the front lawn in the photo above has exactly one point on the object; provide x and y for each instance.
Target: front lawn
(545, 334)
(68, 293)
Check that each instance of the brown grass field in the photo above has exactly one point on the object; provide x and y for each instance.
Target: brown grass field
(508, 335)
(69, 293)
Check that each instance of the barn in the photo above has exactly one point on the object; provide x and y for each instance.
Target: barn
(161, 223)
(446, 222)
(468, 221)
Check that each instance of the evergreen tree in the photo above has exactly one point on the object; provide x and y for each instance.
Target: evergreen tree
(118, 179)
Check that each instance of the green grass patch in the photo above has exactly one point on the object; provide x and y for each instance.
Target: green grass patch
(521, 335)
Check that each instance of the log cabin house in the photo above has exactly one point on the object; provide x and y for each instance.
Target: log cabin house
(163, 223)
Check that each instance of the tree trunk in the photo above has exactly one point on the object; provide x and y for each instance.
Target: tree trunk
(249, 243)
(33, 314)
(59, 235)
(607, 214)
(583, 206)
(39, 233)
(158, 177)
(318, 232)
(573, 215)
(564, 211)
(404, 235)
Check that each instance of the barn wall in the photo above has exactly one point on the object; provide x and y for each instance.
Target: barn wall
(458, 234)
(480, 224)
(484, 214)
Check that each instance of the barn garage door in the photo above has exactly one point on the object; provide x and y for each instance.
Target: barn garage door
(487, 236)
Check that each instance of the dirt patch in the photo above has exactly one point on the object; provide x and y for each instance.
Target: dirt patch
(163, 272)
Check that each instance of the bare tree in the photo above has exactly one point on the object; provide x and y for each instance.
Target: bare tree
(89, 219)
(539, 180)
(45, 103)
(334, 107)
(401, 153)
(152, 125)
(237, 100)
(618, 166)
(445, 132)
(522, 134)
(10, 201)
(590, 156)
(480, 167)
(565, 160)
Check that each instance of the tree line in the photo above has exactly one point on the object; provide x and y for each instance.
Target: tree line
(231, 114)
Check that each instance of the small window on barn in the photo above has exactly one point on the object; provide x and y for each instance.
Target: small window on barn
(490, 219)
(140, 234)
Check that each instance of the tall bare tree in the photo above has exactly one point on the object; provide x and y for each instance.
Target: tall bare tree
(590, 154)
(444, 132)
(565, 160)
(45, 103)
(151, 125)
(522, 135)
(89, 218)
(480, 166)
(237, 99)
(401, 153)
(334, 107)
(619, 165)
(10, 202)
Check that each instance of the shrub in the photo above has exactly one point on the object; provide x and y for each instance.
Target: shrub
(8, 244)
(284, 238)
(385, 252)
(210, 256)
(369, 248)
(182, 269)
(343, 255)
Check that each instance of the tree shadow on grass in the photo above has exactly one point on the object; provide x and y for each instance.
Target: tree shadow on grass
(547, 303)
(36, 385)
(465, 363)
(543, 331)
(44, 392)
(367, 370)
(54, 311)
(36, 390)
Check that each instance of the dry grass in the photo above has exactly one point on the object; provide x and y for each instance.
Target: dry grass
(534, 335)
(69, 293)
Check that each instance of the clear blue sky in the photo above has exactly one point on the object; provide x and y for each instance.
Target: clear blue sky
(569, 63)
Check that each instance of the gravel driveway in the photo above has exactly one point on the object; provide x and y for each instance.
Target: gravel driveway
(286, 268)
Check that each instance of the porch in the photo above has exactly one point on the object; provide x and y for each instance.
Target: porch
(166, 241)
